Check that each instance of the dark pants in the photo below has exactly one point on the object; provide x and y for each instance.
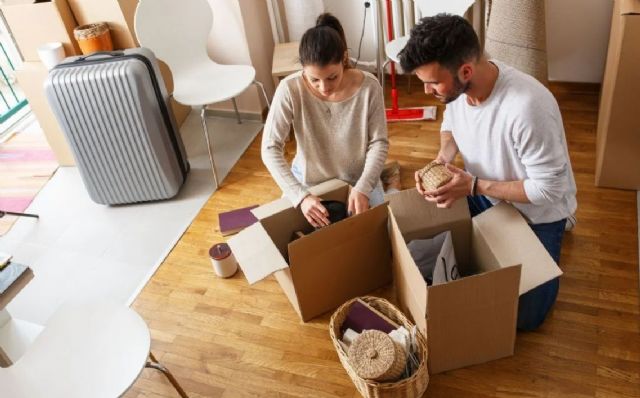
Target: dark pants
(535, 304)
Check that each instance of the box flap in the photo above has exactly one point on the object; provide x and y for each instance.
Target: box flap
(513, 242)
(271, 208)
(413, 213)
(341, 261)
(327, 188)
(472, 320)
(419, 219)
(411, 289)
(255, 253)
(629, 7)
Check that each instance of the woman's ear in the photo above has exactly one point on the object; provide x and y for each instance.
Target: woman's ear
(345, 59)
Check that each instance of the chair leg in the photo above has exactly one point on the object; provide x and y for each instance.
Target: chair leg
(206, 137)
(384, 66)
(235, 106)
(154, 364)
(264, 93)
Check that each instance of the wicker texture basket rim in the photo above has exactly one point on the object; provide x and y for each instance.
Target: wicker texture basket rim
(413, 386)
(91, 30)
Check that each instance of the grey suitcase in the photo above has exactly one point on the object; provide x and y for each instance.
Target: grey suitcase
(115, 113)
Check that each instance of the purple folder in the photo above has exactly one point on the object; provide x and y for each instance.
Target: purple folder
(236, 220)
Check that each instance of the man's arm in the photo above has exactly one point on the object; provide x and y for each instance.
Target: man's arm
(512, 191)
(448, 148)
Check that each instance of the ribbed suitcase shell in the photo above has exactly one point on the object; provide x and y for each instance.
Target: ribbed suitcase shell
(115, 113)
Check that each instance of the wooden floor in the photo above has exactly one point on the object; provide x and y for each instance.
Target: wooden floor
(224, 338)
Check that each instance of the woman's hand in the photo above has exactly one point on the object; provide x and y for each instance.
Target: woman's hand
(314, 211)
(358, 202)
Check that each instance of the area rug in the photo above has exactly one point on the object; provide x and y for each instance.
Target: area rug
(26, 164)
(78, 249)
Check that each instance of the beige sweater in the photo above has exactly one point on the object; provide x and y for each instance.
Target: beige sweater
(345, 140)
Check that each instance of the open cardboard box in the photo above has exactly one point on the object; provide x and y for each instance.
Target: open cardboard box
(473, 319)
(467, 321)
(326, 268)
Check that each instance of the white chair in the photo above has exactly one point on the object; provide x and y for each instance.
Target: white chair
(177, 31)
(91, 349)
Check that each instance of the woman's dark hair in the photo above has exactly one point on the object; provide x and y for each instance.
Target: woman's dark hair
(323, 44)
(446, 39)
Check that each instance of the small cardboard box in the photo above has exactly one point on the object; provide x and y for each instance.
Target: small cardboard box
(473, 319)
(618, 141)
(31, 77)
(326, 268)
(35, 24)
(118, 14)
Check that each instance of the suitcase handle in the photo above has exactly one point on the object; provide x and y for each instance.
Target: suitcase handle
(100, 53)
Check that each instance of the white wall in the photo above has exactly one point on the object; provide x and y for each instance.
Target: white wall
(577, 39)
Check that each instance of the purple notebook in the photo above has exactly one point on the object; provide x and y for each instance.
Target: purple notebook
(360, 317)
(236, 220)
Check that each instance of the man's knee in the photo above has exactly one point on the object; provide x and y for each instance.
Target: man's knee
(534, 305)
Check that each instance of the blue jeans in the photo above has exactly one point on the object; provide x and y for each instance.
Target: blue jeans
(534, 305)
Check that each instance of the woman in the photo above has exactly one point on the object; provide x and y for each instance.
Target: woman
(338, 118)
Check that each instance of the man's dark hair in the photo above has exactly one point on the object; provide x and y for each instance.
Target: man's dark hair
(446, 39)
(323, 44)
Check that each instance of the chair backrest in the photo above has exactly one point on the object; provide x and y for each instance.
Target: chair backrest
(175, 30)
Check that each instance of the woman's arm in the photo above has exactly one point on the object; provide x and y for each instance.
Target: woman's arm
(276, 130)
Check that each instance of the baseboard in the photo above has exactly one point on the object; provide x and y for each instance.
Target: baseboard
(257, 117)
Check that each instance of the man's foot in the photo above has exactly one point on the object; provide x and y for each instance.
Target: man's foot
(390, 177)
(571, 222)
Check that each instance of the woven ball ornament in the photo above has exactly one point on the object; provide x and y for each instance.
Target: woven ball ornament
(434, 175)
(375, 356)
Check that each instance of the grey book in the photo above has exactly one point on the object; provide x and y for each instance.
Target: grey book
(10, 274)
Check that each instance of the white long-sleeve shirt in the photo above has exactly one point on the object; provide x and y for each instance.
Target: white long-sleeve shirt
(346, 140)
(517, 134)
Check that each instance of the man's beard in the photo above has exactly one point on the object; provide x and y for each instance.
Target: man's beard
(458, 89)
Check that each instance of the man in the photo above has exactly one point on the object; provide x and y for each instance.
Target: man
(508, 129)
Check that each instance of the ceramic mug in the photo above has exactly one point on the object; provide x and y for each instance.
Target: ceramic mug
(51, 54)
(223, 261)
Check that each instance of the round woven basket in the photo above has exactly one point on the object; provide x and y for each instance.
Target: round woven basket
(375, 356)
(434, 175)
(413, 386)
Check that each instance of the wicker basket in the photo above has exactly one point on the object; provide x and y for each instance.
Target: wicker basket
(434, 175)
(413, 386)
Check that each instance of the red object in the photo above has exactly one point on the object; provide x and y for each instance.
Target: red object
(396, 114)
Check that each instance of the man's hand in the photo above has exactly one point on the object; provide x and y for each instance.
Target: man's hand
(458, 187)
(314, 211)
(358, 202)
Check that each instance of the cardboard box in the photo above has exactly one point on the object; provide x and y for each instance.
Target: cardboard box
(35, 24)
(467, 321)
(119, 14)
(179, 111)
(31, 77)
(618, 141)
(326, 268)
(473, 319)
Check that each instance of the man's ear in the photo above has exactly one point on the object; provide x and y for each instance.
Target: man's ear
(466, 72)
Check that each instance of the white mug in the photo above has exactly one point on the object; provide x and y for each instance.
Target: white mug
(51, 54)
(223, 261)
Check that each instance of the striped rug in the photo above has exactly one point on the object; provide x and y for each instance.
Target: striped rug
(26, 164)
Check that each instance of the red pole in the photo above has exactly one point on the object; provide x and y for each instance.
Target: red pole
(394, 91)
